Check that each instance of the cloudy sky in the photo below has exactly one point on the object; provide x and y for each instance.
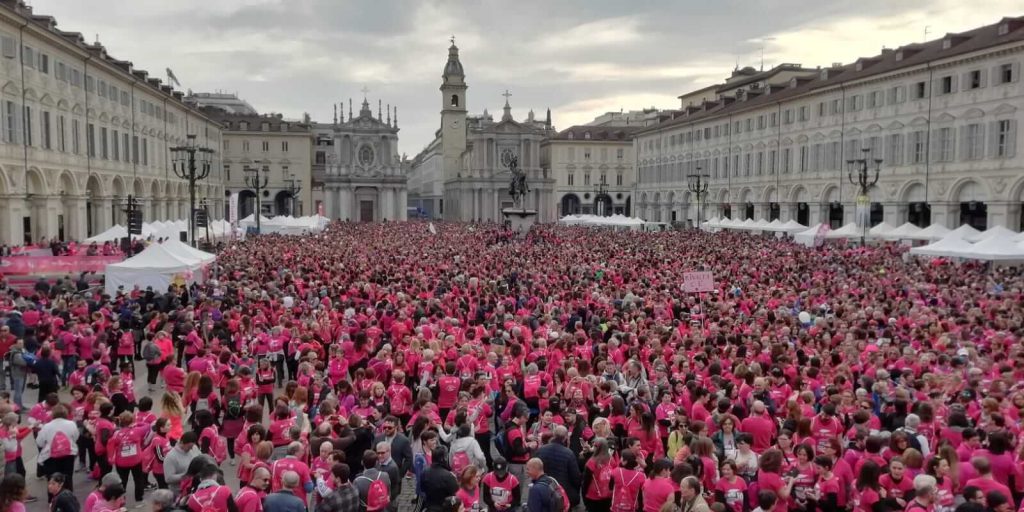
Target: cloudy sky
(580, 58)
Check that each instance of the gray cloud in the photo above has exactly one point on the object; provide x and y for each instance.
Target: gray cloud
(578, 57)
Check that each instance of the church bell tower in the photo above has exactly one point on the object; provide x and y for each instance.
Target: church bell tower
(453, 113)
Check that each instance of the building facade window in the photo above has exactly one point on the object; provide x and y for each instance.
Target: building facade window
(62, 136)
(1005, 138)
(894, 149)
(1006, 74)
(90, 140)
(917, 143)
(946, 152)
(44, 127)
(973, 142)
(10, 122)
(76, 136)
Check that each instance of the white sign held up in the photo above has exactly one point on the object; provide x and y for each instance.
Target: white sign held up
(698, 282)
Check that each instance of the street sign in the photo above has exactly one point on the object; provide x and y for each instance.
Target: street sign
(697, 282)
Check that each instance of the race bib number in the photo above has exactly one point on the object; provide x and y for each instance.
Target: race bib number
(129, 450)
(501, 497)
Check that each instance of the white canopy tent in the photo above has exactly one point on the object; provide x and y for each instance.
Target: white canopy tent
(179, 248)
(850, 230)
(792, 226)
(997, 248)
(112, 234)
(807, 236)
(904, 231)
(952, 246)
(880, 230)
(156, 266)
(933, 232)
(710, 224)
(965, 231)
(993, 232)
(613, 221)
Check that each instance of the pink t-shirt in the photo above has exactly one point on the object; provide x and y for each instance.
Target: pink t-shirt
(733, 492)
(657, 492)
(773, 482)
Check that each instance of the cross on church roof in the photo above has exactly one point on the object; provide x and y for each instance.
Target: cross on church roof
(507, 95)
(453, 39)
(365, 91)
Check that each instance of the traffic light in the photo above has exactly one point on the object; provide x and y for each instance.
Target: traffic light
(135, 222)
(202, 220)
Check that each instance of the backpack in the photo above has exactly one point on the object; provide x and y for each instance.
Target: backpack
(621, 501)
(60, 446)
(501, 443)
(201, 404)
(460, 461)
(206, 503)
(233, 407)
(559, 499)
(150, 352)
(218, 448)
(90, 375)
(378, 497)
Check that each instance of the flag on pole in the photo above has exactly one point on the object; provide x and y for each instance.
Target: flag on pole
(171, 79)
(432, 229)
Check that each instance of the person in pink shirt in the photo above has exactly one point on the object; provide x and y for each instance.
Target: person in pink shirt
(659, 489)
(760, 427)
(292, 462)
(986, 480)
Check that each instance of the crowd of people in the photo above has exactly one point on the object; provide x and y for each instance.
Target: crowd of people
(564, 370)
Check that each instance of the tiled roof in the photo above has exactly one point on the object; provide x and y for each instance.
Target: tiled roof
(597, 133)
(907, 56)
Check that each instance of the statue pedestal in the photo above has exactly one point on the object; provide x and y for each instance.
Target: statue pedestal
(520, 219)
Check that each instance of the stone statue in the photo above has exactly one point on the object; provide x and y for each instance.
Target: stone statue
(518, 187)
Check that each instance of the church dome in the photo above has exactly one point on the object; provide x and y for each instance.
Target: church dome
(453, 67)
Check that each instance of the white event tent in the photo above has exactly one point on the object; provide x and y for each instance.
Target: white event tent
(952, 246)
(903, 232)
(612, 221)
(158, 266)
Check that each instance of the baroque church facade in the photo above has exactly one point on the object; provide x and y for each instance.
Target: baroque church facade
(362, 174)
(462, 175)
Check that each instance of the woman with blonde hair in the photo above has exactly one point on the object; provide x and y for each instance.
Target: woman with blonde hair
(172, 408)
(191, 386)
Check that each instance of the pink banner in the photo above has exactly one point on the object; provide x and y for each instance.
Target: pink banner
(56, 264)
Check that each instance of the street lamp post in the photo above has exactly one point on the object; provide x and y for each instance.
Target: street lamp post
(191, 163)
(698, 184)
(293, 188)
(205, 206)
(600, 191)
(864, 181)
(257, 181)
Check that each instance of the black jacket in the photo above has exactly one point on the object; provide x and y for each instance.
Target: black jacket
(65, 501)
(437, 483)
(560, 463)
